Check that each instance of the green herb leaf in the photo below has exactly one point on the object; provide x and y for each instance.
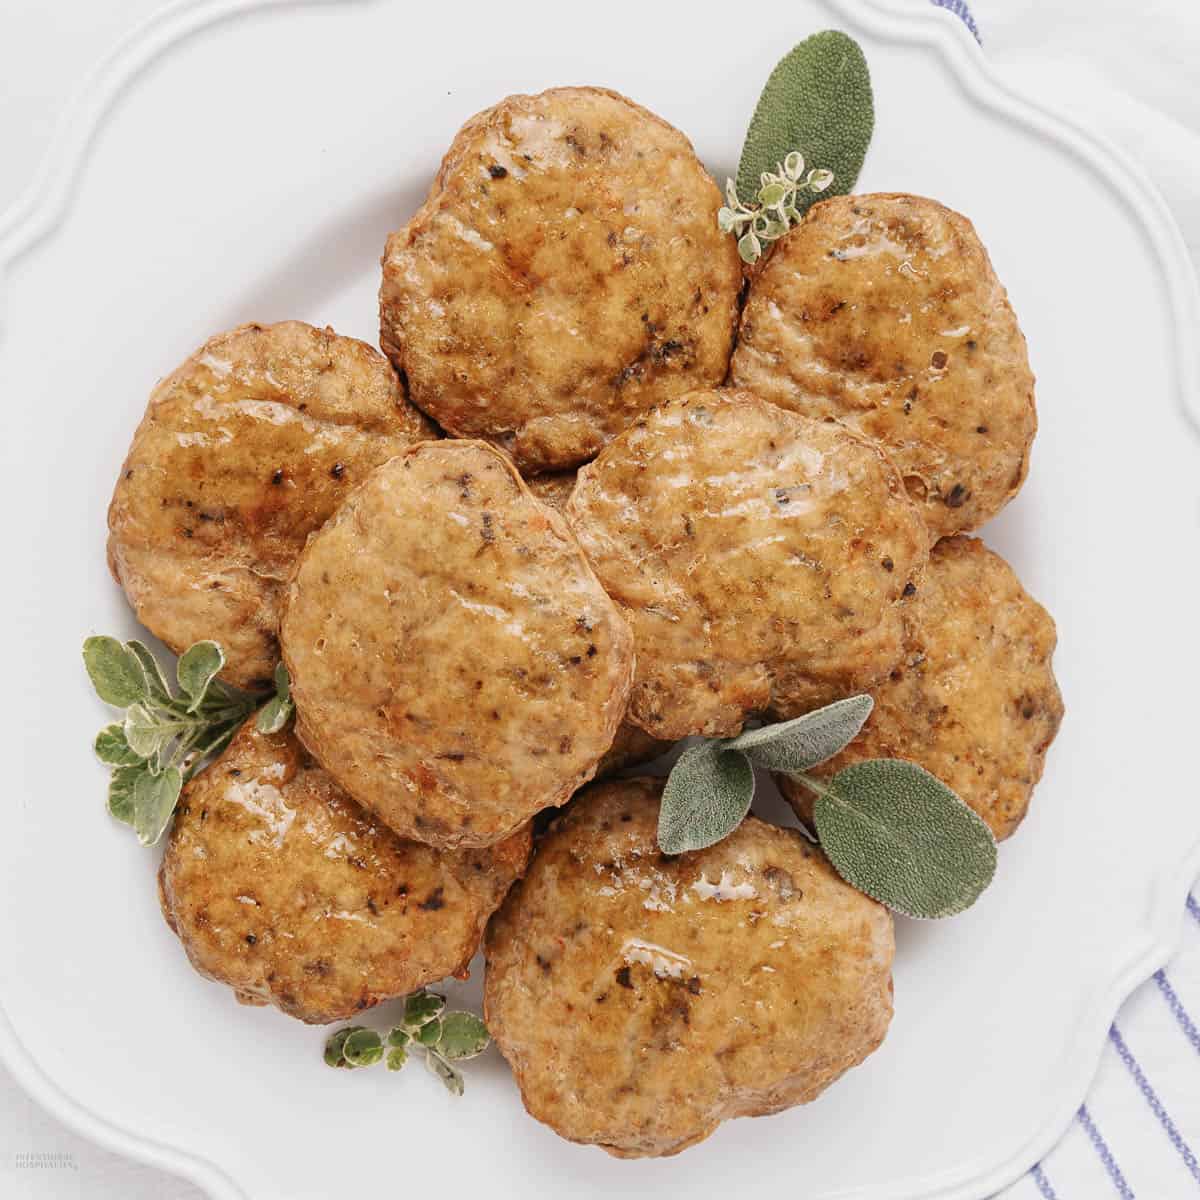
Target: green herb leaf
(451, 1077)
(283, 682)
(794, 746)
(120, 791)
(114, 671)
(397, 1056)
(336, 1042)
(464, 1035)
(706, 796)
(398, 1037)
(273, 715)
(156, 682)
(817, 101)
(421, 1008)
(896, 832)
(154, 799)
(430, 1033)
(112, 748)
(196, 669)
(362, 1048)
(145, 733)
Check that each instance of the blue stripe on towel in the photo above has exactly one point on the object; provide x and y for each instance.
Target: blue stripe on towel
(1044, 1185)
(1176, 1006)
(959, 9)
(1193, 907)
(1101, 1147)
(1173, 1134)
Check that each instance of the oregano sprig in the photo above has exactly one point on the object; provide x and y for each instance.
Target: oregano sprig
(165, 737)
(776, 208)
(888, 827)
(817, 103)
(445, 1038)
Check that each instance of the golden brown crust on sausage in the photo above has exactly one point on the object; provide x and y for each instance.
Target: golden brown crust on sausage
(565, 274)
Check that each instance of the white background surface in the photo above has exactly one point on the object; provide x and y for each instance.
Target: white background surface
(1130, 68)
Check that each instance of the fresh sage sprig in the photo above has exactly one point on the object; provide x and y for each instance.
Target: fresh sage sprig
(817, 103)
(777, 205)
(888, 827)
(164, 737)
(444, 1037)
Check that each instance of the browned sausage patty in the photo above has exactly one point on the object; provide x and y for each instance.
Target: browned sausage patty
(641, 1000)
(974, 699)
(884, 312)
(243, 452)
(565, 274)
(455, 663)
(279, 885)
(763, 559)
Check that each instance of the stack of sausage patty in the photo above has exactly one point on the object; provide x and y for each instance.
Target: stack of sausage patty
(606, 490)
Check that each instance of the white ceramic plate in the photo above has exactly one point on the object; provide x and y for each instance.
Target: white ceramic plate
(251, 168)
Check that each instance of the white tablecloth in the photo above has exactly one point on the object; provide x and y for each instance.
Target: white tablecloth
(1132, 69)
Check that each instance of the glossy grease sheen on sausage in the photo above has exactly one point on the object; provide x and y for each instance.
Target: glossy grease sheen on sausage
(455, 663)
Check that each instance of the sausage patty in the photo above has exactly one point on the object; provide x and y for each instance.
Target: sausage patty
(974, 699)
(883, 312)
(243, 452)
(279, 885)
(642, 999)
(762, 558)
(455, 663)
(565, 274)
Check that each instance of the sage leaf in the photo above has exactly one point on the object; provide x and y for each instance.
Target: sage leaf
(421, 1008)
(362, 1048)
(897, 833)
(196, 668)
(817, 101)
(334, 1044)
(796, 746)
(120, 791)
(397, 1056)
(706, 796)
(451, 1077)
(464, 1035)
(154, 799)
(156, 682)
(114, 671)
(112, 748)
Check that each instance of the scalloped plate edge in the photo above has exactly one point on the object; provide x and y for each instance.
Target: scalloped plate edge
(46, 202)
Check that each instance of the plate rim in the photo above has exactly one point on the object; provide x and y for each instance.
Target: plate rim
(44, 205)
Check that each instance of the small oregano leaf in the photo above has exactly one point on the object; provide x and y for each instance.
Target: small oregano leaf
(120, 791)
(154, 799)
(196, 669)
(362, 1048)
(706, 796)
(397, 1056)
(421, 1008)
(156, 682)
(816, 101)
(897, 833)
(451, 1077)
(793, 746)
(335, 1043)
(144, 733)
(112, 748)
(430, 1033)
(114, 671)
(273, 715)
(464, 1035)
(283, 682)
